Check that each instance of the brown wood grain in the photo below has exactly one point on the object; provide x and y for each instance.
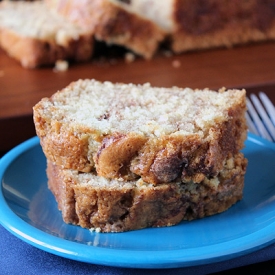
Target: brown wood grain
(251, 67)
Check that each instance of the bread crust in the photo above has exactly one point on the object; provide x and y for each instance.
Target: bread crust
(113, 23)
(124, 205)
(63, 193)
(33, 53)
(129, 155)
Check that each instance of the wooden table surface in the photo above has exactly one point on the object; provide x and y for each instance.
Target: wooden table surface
(251, 67)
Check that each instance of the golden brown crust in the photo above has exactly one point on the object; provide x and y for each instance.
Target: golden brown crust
(64, 193)
(113, 24)
(125, 205)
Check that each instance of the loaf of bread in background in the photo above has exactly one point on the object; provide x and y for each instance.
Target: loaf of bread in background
(127, 131)
(35, 36)
(198, 24)
(104, 205)
(142, 26)
(112, 22)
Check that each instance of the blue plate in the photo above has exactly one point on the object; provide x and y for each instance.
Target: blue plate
(29, 211)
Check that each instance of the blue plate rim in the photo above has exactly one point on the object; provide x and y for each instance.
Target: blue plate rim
(128, 258)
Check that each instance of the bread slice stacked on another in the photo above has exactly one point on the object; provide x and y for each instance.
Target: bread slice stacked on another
(124, 156)
(35, 36)
(113, 205)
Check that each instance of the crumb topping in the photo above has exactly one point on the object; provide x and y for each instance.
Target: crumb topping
(108, 107)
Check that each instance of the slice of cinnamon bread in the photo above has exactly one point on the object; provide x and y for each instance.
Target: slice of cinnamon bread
(35, 36)
(127, 131)
(112, 22)
(104, 205)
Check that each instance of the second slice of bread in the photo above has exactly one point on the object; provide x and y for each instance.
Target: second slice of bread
(127, 131)
(104, 205)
